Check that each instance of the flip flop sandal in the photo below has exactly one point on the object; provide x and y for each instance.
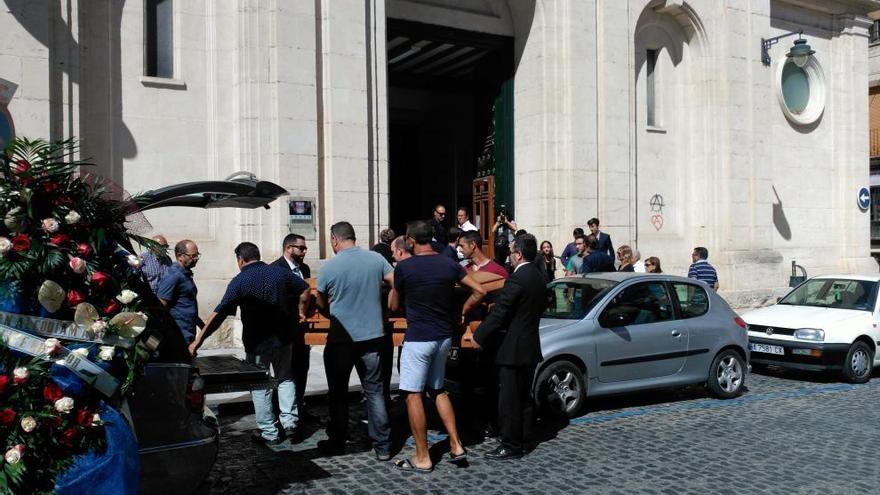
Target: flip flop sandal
(458, 458)
(407, 465)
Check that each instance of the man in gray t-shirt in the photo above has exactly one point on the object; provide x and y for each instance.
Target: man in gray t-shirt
(349, 293)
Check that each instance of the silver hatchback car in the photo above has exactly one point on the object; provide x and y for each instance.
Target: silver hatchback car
(611, 333)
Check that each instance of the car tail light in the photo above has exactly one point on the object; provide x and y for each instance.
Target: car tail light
(742, 323)
(195, 394)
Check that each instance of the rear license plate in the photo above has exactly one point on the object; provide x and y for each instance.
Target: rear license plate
(767, 349)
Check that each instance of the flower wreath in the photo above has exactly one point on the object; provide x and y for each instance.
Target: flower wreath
(75, 316)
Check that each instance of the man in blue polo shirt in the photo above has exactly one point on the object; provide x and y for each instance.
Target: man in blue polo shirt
(178, 291)
(701, 269)
(350, 294)
(272, 300)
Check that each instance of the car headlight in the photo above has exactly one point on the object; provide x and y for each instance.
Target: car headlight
(810, 334)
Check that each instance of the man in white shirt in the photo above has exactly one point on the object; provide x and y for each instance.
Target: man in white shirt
(638, 264)
(464, 221)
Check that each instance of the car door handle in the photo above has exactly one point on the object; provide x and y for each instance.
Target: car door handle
(676, 334)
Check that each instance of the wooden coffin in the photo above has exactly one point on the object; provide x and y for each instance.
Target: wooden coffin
(319, 325)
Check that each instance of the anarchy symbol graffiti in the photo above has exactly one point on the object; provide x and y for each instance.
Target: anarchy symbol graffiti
(657, 203)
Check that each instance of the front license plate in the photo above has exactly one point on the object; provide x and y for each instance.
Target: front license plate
(767, 349)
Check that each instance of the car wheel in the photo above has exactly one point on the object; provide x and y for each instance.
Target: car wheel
(727, 375)
(858, 364)
(561, 390)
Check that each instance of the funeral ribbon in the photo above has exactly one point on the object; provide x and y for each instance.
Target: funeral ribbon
(61, 329)
(88, 371)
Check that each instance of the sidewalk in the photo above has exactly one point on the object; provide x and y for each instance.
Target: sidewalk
(317, 383)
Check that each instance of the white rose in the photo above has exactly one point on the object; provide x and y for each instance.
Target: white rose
(96, 419)
(72, 217)
(51, 346)
(5, 246)
(127, 296)
(13, 455)
(81, 352)
(50, 225)
(134, 261)
(64, 405)
(106, 352)
(77, 265)
(28, 423)
(21, 373)
(99, 327)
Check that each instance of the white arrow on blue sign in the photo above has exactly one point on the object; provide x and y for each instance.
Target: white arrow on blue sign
(864, 198)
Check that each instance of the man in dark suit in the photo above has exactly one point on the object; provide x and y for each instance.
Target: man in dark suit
(516, 316)
(602, 238)
(293, 254)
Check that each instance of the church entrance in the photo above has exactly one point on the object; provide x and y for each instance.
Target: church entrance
(450, 95)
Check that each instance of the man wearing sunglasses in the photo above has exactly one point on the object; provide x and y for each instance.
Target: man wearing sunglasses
(178, 291)
(438, 224)
(292, 258)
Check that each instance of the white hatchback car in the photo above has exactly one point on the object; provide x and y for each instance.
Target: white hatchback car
(826, 323)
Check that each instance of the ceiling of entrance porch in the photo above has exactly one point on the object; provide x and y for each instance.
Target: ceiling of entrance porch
(421, 54)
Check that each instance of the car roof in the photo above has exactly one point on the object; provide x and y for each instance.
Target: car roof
(624, 276)
(852, 276)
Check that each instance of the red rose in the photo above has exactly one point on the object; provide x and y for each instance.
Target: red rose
(52, 392)
(75, 297)
(100, 279)
(68, 437)
(21, 166)
(112, 308)
(21, 242)
(7, 416)
(84, 417)
(84, 250)
(63, 200)
(50, 187)
(59, 239)
(4, 382)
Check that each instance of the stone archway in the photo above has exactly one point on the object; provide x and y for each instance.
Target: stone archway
(672, 128)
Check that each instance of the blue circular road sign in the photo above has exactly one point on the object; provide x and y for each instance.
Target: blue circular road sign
(864, 198)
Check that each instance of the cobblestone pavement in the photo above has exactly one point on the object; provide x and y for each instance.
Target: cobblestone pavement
(790, 433)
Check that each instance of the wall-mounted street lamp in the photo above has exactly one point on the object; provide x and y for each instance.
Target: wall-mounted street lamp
(799, 54)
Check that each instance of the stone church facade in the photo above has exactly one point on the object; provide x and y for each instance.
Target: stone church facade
(657, 116)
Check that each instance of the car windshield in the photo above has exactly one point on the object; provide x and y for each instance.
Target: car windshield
(834, 293)
(573, 299)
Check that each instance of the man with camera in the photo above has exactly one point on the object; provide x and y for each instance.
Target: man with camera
(504, 229)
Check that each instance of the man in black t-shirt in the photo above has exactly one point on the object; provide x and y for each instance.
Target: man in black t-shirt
(425, 283)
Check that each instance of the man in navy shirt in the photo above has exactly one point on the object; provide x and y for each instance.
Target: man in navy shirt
(178, 292)
(700, 269)
(597, 260)
(570, 248)
(426, 285)
(272, 299)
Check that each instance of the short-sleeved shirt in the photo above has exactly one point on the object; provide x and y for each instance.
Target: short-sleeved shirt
(427, 285)
(702, 270)
(178, 289)
(353, 281)
(576, 263)
(268, 297)
(491, 267)
(154, 268)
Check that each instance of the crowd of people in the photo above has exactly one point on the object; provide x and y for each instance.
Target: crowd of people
(416, 274)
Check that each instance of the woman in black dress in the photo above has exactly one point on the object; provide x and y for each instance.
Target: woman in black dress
(625, 256)
(549, 260)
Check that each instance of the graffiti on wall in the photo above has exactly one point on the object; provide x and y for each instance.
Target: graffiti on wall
(657, 205)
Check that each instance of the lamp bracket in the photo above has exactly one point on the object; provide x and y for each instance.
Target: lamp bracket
(766, 43)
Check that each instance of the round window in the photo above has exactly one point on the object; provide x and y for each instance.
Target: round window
(801, 90)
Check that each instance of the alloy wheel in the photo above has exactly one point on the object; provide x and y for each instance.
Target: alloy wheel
(564, 391)
(729, 374)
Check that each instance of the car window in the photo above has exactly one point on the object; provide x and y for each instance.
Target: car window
(692, 299)
(638, 304)
(572, 300)
(834, 293)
